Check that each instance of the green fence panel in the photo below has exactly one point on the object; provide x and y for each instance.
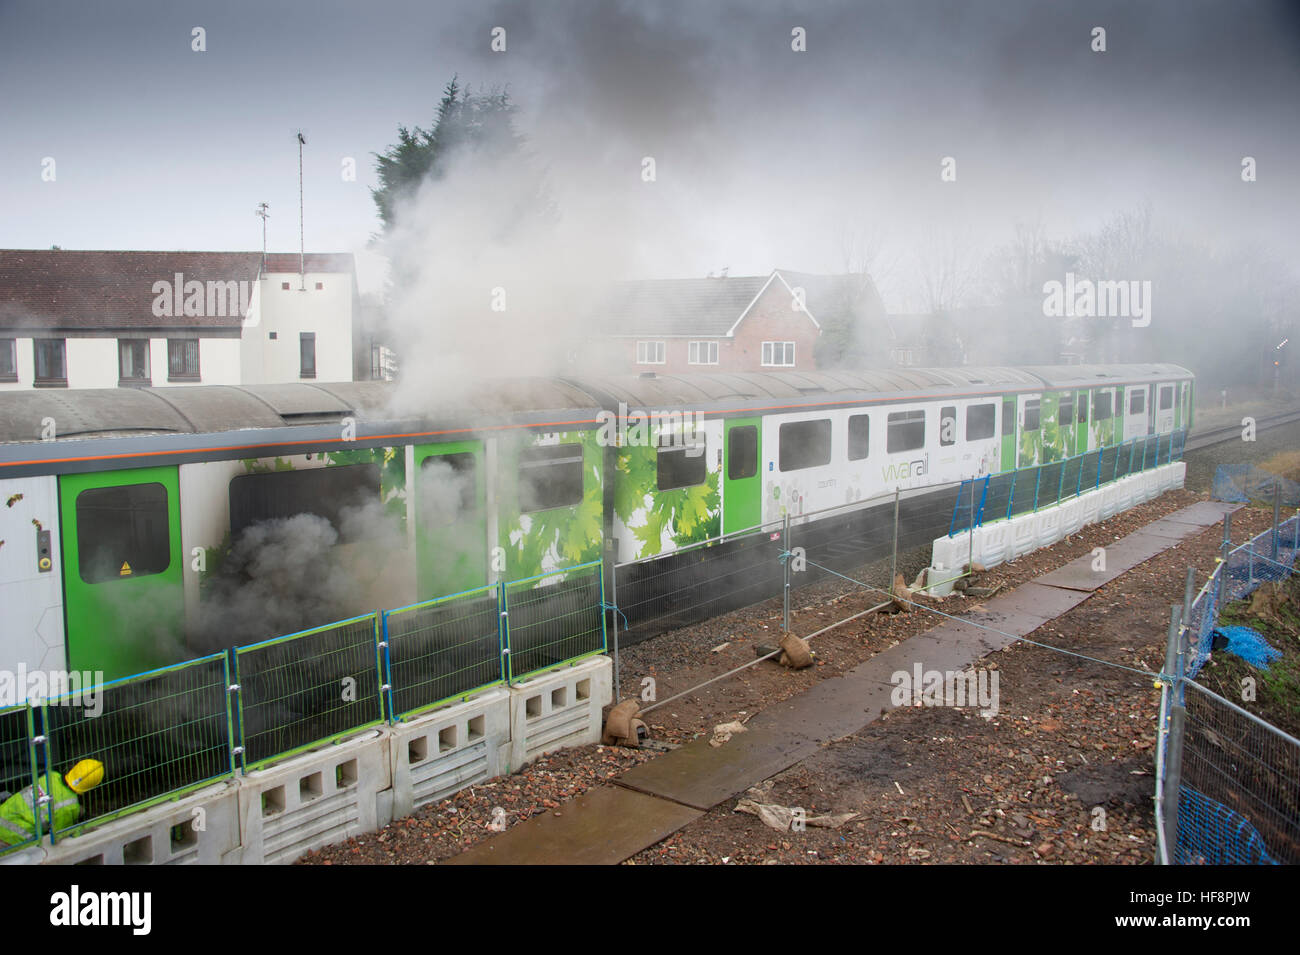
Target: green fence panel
(308, 688)
(157, 734)
(438, 650)
(18, 778)
(552, 622)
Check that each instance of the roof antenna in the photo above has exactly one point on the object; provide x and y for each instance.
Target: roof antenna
(263, 210)
(302, 249)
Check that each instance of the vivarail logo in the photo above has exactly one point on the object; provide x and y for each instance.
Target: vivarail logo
(1083, 298)
(195, 299)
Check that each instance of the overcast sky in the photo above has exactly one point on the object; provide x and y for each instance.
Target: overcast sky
(765, 156)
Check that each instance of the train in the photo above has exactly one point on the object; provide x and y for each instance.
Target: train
(146, 526)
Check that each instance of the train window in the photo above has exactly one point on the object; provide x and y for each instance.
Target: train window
(805, 444)
(681, 466)
(1101, 406)
(1137, 402)
(333, 493)
(948, 426)
(981, 422)
(1008, 416)
(1083, 409)
(859, 436)
(448, 486)
(1166, 398)
(906, 431)
(550, 477)
(1032, 407)
(122, 532)
(1065, 410)
(742, 452)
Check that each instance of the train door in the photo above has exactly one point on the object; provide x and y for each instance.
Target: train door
(1030, 442)
(1166, 410)
(125, 600)
(742, 484)
(450, 518)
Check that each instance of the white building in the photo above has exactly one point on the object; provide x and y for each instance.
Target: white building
(73, 319)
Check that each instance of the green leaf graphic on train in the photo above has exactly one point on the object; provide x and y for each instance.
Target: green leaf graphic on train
(690, 514)
(392, 473)
(1053, 435)
(553, 538)
(1031, 447)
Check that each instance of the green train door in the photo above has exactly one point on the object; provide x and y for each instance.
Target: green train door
(124, 599)
(742, 484)
(450, 518)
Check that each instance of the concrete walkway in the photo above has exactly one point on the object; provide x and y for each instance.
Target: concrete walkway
(650, 802)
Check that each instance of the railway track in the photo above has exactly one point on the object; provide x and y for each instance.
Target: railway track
(1204, 439)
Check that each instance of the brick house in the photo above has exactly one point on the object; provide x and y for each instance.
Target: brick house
(745, 323)
(106, 319)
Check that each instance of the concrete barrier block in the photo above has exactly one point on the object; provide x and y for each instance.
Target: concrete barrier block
(1108, 505)
(1090, 507)
(439, 753)
(1071, 516)
(32, 855)
(559, 709)
(1022, 534)
(950, 551)
(1179, 470)
(202, 827)
(314, 800)
(1151, 484)
(1047, 526)
(992, 544)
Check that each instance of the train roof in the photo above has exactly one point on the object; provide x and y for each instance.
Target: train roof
(83, 413)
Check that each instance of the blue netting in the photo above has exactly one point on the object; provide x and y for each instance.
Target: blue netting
(1209, 833)
(1245, 482)
(1247, 643)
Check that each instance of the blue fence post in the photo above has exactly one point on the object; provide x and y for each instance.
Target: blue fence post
(1038, 479)
(232, 727)
(1132, 452)
(1114, 474)
(503, 631)
(1060, 485)
(385, 661)
(956, 506)
(1011, 493)
(237, 709)
(983, 495)
(1101, 456)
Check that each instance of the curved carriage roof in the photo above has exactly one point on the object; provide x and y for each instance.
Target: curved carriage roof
(203, 409)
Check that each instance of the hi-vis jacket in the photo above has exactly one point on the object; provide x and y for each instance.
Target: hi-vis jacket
(18, 813)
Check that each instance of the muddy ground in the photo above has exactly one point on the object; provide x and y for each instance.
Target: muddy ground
(1063, 773)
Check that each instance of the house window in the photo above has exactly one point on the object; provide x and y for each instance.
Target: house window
(778, 354)
(133, 360)
(284, 286)
(703, 353)
(859, 436)
(650, 353)
(8, 359)
(182, 359)
(51, 363)
(981, 422)
(805, 444)
(307, 355)
(905, 431)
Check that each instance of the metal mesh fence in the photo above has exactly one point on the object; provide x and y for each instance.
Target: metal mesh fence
(155, 735)
(1239, 801)
(695, 584)
(440, 649)
(554, 623)
(18, 777)
(307, 688)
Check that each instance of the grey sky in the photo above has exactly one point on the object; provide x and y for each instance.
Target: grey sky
(766, 157)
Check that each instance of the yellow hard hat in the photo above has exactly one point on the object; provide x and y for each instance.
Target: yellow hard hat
(85, 776)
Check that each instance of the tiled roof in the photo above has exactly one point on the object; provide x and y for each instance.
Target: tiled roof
(709, 307)
(64, 289)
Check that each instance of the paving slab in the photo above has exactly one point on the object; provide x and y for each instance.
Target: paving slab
(601, 827)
